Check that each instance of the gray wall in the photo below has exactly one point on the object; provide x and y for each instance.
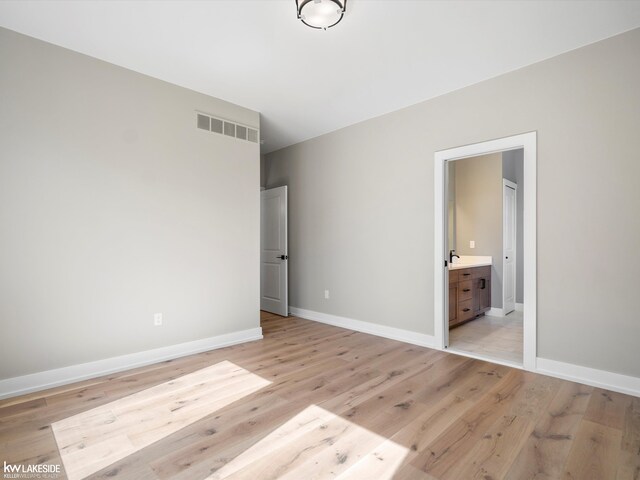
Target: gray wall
(263, 170)
(361, 202)
(513, 169)
(479, 213)
(114, 206)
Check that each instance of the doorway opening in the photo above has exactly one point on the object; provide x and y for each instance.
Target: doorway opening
(482, 239)
(485, 250)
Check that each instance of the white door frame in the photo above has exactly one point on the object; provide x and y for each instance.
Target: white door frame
(526, 141)
(513, 186)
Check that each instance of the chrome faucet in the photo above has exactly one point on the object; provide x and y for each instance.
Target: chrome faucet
(451, 255)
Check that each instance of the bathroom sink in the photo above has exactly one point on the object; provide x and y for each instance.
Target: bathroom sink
(468, 261)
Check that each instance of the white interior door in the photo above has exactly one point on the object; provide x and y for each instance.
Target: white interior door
(273, 251)
(509, 246)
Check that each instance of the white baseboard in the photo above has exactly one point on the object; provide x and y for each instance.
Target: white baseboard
(589, 376)
(34, 382)
(567, 371)
(519, 307)
(393, 333)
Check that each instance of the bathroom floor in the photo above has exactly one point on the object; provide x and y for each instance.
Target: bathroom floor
(495, 337)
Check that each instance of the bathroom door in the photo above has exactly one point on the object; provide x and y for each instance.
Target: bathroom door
(509, 246)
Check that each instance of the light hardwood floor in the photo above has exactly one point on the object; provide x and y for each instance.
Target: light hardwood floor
(494, 337)
(315, 401)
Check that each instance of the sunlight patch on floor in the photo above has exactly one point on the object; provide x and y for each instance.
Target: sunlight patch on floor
(93, 440)
(317, 444)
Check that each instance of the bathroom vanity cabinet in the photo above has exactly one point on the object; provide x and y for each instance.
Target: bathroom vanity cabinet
(469, 294)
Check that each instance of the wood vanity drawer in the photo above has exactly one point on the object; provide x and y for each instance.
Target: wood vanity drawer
(465, 274)
(465, 310)
(480, 272)
(465, 291)
(469, 293)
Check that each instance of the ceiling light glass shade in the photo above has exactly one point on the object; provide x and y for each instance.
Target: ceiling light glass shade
(321, 14)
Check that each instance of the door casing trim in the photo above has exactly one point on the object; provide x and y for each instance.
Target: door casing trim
(528, 142)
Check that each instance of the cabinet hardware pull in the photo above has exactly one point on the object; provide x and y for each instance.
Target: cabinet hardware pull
(466, 290)
(466, 309)
(466, 274)
(484, 283)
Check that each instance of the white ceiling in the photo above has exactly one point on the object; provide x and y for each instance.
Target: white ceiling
(383, 56)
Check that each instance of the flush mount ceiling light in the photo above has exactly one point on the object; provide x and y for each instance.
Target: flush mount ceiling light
(321, 14)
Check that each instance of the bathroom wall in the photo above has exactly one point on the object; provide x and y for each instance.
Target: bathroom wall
(451, 206)
(478, 182)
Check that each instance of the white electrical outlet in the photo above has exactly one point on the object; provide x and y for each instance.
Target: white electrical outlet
(326, 294)
(157, 319)
(472, 244)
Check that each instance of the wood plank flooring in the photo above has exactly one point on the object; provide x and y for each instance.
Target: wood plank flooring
(498, 338)
(315, 401)
(96, 438)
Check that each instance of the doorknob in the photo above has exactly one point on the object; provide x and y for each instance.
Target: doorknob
(283, 257)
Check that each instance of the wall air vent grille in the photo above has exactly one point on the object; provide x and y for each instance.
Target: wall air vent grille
(216, 125)
(241, 132)
(230, 129)
(203, 122)
(225, 127)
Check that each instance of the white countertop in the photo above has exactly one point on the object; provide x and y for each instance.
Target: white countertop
(469, 261)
